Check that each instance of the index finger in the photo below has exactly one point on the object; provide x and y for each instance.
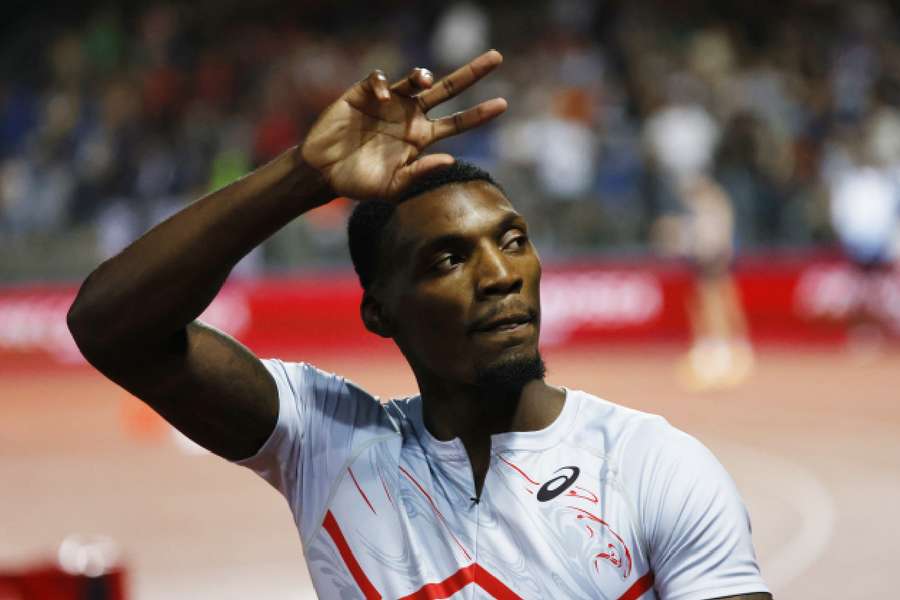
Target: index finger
(459, 80)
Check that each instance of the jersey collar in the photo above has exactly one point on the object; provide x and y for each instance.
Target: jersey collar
(541, 439)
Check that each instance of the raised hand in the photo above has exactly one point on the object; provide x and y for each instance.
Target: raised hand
(368, 144)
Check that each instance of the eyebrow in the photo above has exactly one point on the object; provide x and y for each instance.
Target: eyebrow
(429, 246)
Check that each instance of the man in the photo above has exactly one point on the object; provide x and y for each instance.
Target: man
(491, 483)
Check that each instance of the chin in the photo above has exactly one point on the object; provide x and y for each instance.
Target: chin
(511, 371)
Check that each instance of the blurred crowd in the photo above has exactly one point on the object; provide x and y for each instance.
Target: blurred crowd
(115, 119)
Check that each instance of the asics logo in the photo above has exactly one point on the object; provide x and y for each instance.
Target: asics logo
(556, 486)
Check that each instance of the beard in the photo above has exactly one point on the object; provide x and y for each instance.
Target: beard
(507, 377)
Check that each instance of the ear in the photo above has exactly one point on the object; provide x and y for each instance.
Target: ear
(374, 317)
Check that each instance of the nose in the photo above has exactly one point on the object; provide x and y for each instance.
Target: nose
(496, 274)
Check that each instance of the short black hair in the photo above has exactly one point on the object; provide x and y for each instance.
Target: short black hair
(369, 219)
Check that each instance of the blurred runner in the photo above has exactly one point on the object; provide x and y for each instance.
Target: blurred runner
(698, 225)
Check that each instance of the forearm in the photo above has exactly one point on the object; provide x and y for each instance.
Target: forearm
(166, 278)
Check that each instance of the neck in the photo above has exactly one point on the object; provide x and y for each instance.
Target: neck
(473, 414)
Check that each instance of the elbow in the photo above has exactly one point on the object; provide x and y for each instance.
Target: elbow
(77, 321)
(84, 324)
(80, 325)
(91, 336)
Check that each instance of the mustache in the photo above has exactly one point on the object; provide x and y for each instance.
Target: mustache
(503, 310)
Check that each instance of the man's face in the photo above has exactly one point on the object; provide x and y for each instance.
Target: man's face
(461, 282)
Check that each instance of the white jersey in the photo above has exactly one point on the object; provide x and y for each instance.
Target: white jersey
(606, 502)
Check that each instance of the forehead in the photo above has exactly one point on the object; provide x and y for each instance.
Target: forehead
(463, 209)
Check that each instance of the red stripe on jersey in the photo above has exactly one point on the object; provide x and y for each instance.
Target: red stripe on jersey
(474, 573)
(521, 472)
(445, 588)
(331, 526)
(361, 492)
(638, 587)
(437, 512)
(493, 586)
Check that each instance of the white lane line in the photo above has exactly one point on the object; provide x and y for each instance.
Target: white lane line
(798, 487)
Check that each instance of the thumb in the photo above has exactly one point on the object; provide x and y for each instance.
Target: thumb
(405, 176)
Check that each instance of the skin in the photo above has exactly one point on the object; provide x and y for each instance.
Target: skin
(468, 262)
(135, 316)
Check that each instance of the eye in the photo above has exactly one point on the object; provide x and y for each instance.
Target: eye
(446, 262)
(515, 240)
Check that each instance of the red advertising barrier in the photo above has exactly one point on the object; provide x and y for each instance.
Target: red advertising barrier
(52, 583)
(788, 298)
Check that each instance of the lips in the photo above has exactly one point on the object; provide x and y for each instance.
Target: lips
(502, 322)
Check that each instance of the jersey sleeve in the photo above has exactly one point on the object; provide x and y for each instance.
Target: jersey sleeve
(321, 416)
(695, 525)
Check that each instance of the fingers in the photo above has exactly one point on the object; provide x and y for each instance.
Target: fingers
(419, 83)
(375, 85)
(405, 176)
(418, 79)
(379, 85)
(467, 119)
(460, 79)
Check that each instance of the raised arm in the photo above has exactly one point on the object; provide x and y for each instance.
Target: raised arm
(134, 318)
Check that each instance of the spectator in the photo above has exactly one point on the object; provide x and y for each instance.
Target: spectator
(129, 104)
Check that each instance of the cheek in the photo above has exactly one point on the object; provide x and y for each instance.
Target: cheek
(428, 314)
(533, 277)
(433, 322)
(535, 274)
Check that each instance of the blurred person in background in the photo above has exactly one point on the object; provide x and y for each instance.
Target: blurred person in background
(864, 178)
(698, 224)
(455, 486)
(202, 96)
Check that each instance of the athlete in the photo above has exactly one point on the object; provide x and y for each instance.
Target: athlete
(490, 482)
